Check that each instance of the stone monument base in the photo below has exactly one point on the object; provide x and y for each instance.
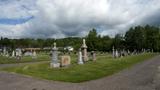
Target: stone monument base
(54, 65)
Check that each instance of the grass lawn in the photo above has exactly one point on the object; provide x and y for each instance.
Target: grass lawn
(8, 60)
(104, 66)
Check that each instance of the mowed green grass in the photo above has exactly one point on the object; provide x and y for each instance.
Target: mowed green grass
(9, 60)
(103, 66)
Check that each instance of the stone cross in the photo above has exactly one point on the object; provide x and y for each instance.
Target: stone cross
(54, 61)
(84, 51)
(80, 61)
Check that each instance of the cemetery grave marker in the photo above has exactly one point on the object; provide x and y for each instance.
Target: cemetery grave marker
(54, 62)
(34, 55)
(80, 61)
(13, 53)
(84, 51)
(65, 60)
(93, 55)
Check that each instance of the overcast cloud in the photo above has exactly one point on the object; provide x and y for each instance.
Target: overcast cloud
(63, 18)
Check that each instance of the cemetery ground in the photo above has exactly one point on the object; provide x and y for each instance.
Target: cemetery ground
(24, 59)
(104, 66)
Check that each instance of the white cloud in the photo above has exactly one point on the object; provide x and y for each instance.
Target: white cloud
(61, 18)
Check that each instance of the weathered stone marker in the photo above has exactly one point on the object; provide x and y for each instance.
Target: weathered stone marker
(80, 61)
(13, 53)
(7, 54)
(34, 55)
(54, 62)
(128, 52)
(18, 54)
(84, 51)
(113, 52)
(4, 51)
(93, 55)
(116, 54)
(65, 60)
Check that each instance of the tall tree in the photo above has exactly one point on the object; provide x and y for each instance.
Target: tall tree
(92, 40)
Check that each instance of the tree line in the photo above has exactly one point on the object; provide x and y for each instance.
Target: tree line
(136, 38)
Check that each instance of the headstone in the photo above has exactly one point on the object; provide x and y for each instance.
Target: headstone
(4, 51)
(152, 51)
(7, 54)
(28, 53)
(125, 53)
(13, 53)
(80, 61)
(84, 51)
(1, 51)
(34, 55)
(135, 52)
(113, 52)
(122, 53)
(116, 54)
(93, 54)
(18, 54)
(144, 51)
(128, 52)
(65, 60)
(54, 62)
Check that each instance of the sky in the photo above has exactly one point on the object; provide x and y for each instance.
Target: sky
(72, 18)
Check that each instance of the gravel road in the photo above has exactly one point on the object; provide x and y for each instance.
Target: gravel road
(142, 76)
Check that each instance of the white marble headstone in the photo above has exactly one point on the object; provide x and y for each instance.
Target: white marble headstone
(80, 61)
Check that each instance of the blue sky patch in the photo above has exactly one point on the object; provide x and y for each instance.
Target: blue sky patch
(14, 21)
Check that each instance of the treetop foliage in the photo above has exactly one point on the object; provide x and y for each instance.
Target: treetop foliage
(139, 37)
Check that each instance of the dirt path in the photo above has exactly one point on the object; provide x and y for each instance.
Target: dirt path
(143, 76)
